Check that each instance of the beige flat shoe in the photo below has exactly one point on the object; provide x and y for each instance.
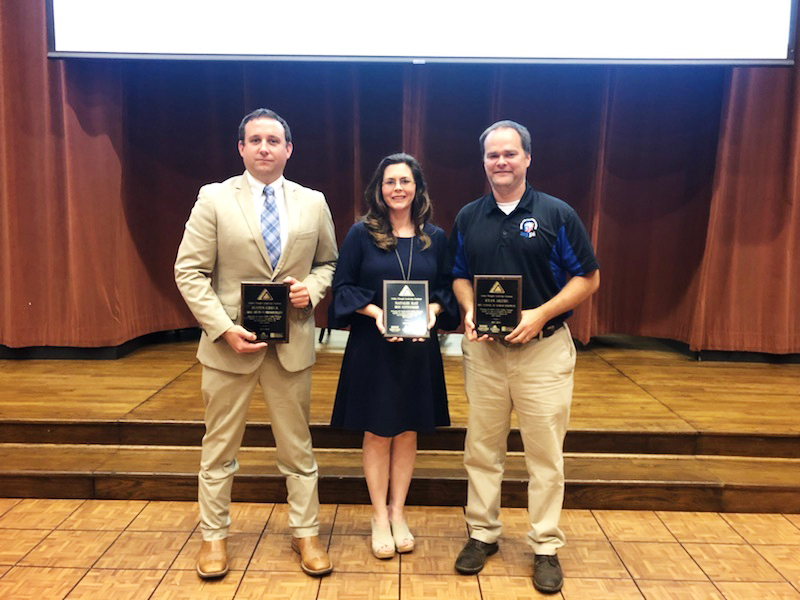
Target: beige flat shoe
(403, 540)
(382, 541)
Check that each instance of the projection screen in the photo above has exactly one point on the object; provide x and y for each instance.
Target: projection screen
(539, 31)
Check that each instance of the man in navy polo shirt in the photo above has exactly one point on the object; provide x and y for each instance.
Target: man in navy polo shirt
(517, 230)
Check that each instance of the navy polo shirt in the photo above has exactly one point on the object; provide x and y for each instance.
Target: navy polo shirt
(543, 240)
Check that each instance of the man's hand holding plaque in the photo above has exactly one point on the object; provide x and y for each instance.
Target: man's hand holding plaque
(498, 304)
(265, 310)
(405, 309)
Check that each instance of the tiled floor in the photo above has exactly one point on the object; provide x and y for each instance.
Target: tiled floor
(53, 549)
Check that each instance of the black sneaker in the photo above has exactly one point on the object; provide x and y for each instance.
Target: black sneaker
(473, 556)
(547, 575)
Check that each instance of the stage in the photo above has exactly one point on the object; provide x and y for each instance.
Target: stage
(651, 428)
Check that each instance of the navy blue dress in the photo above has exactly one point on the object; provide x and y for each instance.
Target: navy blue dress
(387, 388)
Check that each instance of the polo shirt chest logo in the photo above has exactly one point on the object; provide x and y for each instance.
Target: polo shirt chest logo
(528, 227)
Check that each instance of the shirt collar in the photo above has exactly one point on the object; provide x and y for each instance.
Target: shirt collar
(525, 202)
(257, 188)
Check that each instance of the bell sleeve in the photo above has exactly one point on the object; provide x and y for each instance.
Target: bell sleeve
(348, 293)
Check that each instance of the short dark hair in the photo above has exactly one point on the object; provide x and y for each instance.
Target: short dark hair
(524, 134)
(265, 113)
(377, 217)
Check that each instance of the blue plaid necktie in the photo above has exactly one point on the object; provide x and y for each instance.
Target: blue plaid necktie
(271, 226)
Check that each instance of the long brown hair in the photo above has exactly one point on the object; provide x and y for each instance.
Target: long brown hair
(377, 217)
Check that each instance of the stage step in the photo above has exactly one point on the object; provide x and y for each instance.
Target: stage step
(598, 481)
(190, 433)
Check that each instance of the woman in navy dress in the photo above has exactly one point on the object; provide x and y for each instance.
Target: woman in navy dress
(391, 388)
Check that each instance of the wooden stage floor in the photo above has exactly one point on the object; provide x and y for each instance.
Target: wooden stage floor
(651, 428)
(622, 384)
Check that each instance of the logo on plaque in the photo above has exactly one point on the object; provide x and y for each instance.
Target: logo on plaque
(406, 292)
(497, 288)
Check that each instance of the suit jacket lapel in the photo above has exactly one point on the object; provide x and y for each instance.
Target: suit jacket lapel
(244, 198)
(295, 212)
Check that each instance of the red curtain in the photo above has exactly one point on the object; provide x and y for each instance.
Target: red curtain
(685, 177)
(749, 291)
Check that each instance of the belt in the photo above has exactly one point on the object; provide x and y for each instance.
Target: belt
(544, 333)
(549, 330)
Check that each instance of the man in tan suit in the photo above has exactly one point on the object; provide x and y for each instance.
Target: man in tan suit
(226, 241)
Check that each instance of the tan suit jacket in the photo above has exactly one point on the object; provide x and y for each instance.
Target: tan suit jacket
(222, 246)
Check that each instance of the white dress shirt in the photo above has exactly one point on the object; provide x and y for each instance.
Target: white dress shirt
(257, 189)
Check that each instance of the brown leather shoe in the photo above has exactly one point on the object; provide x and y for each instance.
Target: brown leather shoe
(313, 556)
(212, 561)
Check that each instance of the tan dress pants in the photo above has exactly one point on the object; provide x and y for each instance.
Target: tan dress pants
(227, 398)
(536, 380)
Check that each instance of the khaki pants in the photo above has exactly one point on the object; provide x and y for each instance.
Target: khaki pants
(536, 380)
(227, 398)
